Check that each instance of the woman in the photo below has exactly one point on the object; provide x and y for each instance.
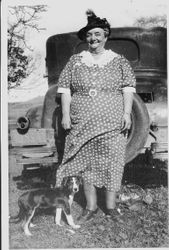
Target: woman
(96, 89)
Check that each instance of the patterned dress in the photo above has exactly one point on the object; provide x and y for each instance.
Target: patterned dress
(95, 146)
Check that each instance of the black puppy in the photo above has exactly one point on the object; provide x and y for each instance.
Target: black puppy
(59, 198)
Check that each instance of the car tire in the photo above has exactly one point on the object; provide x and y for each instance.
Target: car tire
(139, 130)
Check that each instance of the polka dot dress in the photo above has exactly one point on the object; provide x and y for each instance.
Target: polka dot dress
(95, 146)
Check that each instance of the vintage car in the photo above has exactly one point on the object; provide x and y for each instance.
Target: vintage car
(146, 49)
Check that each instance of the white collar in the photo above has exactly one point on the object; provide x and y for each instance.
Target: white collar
(105, 58)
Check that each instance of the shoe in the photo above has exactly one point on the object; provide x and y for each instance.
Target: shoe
(87, 215)
(112, 213)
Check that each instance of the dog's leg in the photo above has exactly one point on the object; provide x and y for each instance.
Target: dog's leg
(21, 214)
(70, 200)
(69, 216)
(26, 226)
(32, 225)
(71, 222)
(58, 216)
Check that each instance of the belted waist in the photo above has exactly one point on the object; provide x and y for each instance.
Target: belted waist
(92, 92)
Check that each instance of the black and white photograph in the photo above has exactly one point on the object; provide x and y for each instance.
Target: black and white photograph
(84, 124)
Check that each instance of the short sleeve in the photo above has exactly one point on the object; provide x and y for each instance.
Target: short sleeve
(128, 77)
(65, 78)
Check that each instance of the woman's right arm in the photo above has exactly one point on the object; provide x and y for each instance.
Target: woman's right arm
(64, 88)
(65, 101)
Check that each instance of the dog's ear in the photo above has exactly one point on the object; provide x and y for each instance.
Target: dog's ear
(80, 179)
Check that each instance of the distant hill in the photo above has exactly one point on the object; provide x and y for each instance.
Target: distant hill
(17, 109)
(36, 101)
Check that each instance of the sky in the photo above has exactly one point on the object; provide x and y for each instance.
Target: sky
(69, 15)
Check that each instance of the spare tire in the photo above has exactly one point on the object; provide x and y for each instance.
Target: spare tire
(139, 130)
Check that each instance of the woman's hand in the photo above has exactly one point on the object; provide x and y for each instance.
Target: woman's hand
(126, 122)
(66, 122)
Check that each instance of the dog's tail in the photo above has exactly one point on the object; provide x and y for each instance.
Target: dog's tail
(20, 216)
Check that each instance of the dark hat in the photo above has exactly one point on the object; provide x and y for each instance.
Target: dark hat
(93, 22)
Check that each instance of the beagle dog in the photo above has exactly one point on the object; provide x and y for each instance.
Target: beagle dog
(59, 198)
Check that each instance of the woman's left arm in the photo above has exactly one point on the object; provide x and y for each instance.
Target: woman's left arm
(128, 102)
(128, 88)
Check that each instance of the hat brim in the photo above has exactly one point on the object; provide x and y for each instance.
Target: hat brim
(82, 32)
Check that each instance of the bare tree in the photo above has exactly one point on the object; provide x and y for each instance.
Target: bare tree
(21, 20)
